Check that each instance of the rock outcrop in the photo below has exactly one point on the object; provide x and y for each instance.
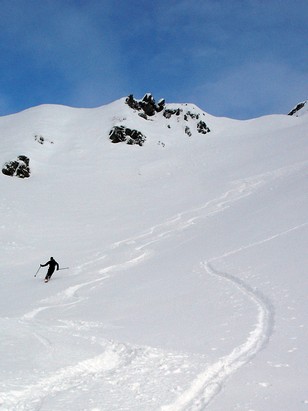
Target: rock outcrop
(298, 108)
(17, 168)
(171, 112)
(147, 108)
(202, 127)
(147, 105)
(120, 134)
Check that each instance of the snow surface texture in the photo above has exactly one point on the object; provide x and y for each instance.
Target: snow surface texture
(187, 286)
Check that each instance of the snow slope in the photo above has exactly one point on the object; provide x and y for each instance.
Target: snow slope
(187, 280)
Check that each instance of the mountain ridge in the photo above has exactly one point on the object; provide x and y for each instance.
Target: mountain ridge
(118, 121)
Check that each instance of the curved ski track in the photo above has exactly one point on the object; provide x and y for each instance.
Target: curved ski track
(208, 384)
(136, 369)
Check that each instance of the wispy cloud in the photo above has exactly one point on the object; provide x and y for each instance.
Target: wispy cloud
(254, 89)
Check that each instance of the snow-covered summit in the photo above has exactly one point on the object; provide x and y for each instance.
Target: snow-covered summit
(50, 129)
(46, 131)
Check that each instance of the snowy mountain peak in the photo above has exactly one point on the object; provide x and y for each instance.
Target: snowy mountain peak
(191, 120)
(51, 130)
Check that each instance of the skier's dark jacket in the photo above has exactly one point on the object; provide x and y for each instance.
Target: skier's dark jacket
(52, 265)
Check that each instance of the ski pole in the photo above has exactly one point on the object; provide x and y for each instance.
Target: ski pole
(37, 271)
(65, 268)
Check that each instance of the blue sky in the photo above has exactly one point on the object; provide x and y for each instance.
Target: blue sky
(235, 58)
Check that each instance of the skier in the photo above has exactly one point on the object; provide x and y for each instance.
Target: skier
(52, 266)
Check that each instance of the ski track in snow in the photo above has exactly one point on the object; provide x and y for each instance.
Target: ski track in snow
(208, 384)
(197, 383)
(181, 221)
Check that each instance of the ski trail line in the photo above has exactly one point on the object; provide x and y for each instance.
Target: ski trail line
(208, 383)
(62, 299)
(260, 242)
(239, 190)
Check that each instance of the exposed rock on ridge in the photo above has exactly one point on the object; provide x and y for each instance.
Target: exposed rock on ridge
(147, 107)
(299, 107)
(147, 104)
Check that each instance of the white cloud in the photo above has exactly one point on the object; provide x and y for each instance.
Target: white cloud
(255, 88)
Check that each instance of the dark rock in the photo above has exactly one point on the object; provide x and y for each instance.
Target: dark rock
(117, 134)
(202, 127)
(17, 168)
(147, 105)
(120, 134)
(143, 115)
(187, 131)
(297, 108)
(160, 105)
(191, 115)
(167, 113)
(133, 103)
(170, 112)
(39, 139)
